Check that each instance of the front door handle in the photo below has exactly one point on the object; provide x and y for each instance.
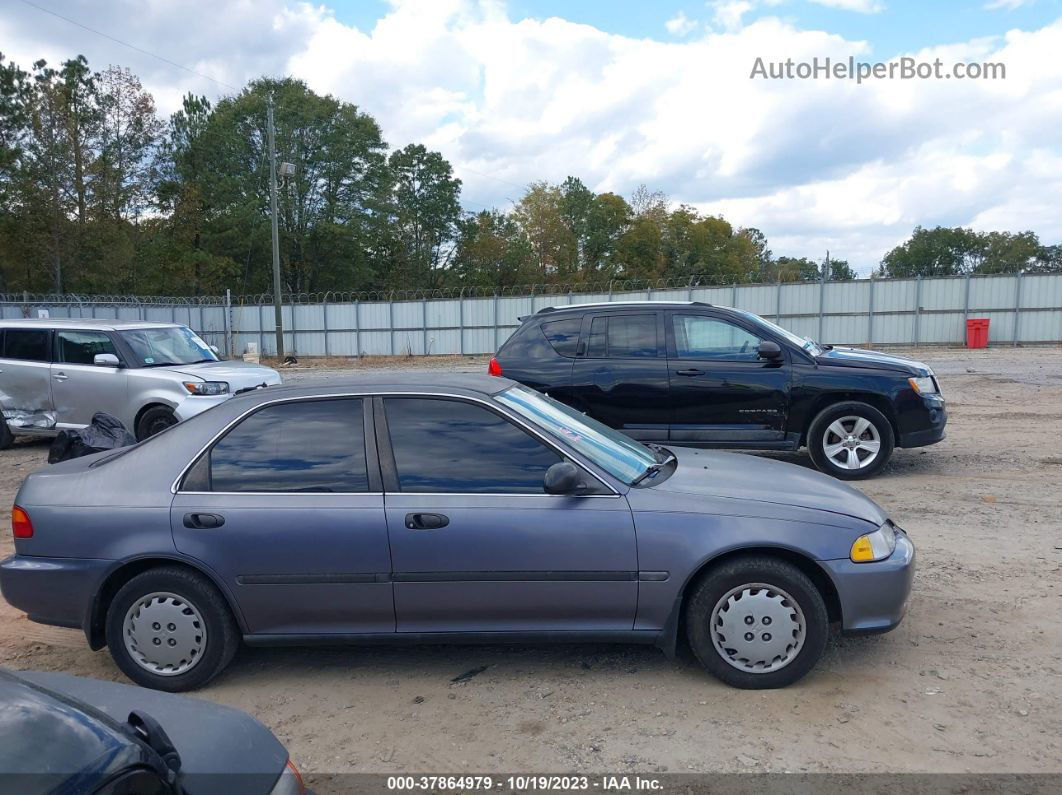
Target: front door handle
(203, 521)
(426, 521)
(61, 376)
(691, 371)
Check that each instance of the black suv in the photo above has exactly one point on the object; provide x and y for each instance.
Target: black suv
(698, 375)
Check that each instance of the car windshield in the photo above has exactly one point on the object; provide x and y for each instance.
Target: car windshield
(157, 347)
(619, 455)
(804, 343)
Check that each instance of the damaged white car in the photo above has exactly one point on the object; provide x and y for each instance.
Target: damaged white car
(56, 373)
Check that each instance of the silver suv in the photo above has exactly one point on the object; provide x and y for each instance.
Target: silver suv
(56, 373)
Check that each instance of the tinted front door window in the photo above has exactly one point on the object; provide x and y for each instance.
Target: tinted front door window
(700, 337)
(313, 446)
(81, 347)
(453, 447)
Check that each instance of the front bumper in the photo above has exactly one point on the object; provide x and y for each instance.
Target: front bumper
(197, 404)
(931, 422)
(57, 591)
(873, 596)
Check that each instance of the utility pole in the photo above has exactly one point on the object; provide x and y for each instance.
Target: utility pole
(276, 231)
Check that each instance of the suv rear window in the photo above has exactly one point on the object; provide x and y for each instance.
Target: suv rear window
(29, 345)
(563, 335)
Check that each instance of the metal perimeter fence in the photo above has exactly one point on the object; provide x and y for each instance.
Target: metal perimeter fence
(1023, 308)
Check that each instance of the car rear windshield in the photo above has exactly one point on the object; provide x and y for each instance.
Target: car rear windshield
(158, 347)
(619, 455)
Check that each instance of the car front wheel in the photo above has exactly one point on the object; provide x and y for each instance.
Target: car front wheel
(757, 622)
(850, 440)
(154, 420)
(170, 629)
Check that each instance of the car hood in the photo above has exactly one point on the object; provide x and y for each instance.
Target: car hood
(751, 478)
(238, 375)
(213, 741)
(857, 357)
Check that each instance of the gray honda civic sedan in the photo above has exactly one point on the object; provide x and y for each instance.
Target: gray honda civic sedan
(444, 509)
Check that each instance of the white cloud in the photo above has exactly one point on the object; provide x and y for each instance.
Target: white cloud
(1006, 5)
(815, 164)
(865, 6)
(681, 25)
(728, 13)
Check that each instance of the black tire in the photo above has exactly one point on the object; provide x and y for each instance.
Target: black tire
(756, 570)
(154, 420)
(222, 634)
(879, 427)
(6, 437)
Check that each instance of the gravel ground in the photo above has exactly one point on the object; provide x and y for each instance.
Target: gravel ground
(970, 682)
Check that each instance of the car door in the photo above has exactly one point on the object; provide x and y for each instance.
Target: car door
(476, 543)
(722, 393)
(286, 509)
(79, 387)
(622, 377)
(25, 387)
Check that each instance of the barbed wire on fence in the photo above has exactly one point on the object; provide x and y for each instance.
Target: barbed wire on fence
(421, 294)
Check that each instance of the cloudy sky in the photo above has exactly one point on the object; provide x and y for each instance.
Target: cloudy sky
(660, 93)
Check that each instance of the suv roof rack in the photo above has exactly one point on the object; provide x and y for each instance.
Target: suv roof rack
(547, 309)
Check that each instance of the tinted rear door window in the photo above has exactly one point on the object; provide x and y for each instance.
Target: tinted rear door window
(313, 446)
(453, 447)
(623, 337)
(30, 345)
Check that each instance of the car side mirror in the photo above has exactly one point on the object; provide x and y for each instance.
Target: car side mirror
(769, 350)
(561, 478)
(106, 360)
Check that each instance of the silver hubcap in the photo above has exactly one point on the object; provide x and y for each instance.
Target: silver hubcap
(851, 442)
(758, 628)
(164, 634)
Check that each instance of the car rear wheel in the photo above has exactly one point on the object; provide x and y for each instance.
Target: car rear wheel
(850, 440)
(154, 420)
(170, 629)
(757, 622)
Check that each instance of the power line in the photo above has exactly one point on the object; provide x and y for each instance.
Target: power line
(131, 46)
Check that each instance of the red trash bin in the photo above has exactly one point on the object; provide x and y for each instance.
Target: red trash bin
(977, 332)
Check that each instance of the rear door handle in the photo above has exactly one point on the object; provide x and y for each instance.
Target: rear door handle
(691, 371)
(426, 521)
(203, 521)
(61, 377)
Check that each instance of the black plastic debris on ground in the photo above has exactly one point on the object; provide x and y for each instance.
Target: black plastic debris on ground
(105, 432)
(469, 674)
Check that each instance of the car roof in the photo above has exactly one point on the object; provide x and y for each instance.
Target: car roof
(549, 310)
(103, 324)
(426, 382)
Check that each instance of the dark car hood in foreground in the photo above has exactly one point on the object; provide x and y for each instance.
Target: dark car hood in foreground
(857, 357)
(753, 479)
(214, 742)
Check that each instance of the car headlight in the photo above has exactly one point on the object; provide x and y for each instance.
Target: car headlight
(924, 386)
(290, 782)
(874, 546)
(206, 387)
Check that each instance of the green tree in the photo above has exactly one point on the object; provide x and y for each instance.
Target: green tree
(493, 251)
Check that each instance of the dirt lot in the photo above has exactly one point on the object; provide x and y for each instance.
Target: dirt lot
(970, 682)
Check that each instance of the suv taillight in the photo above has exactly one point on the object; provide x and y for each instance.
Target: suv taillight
(20, 523)
(494, 368)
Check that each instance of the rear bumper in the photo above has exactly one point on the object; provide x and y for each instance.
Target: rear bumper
(873, 596)
(57, 591)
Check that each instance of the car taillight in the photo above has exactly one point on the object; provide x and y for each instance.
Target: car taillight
(494, 368)
(21, 525)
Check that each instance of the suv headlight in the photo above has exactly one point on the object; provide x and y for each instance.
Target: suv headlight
(874, 546)
(924, 386)
(206, 387)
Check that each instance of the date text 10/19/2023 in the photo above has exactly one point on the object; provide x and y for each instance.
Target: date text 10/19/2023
(524, 783)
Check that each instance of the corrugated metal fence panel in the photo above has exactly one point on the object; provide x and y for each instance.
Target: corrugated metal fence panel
(885, 311)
